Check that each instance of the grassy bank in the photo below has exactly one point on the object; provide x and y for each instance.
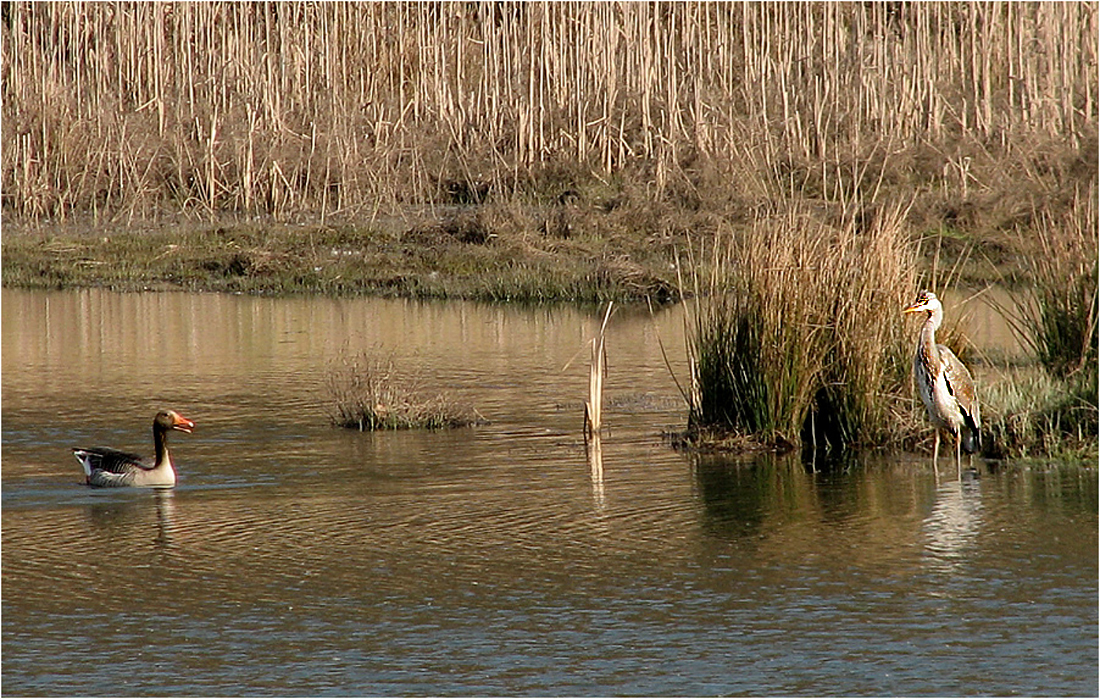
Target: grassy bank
(797, 338)
(465, 255)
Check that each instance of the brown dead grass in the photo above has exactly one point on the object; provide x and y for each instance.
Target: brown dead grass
(370, 392)
(132, 111)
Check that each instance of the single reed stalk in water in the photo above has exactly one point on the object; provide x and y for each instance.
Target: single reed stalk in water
(593, 407)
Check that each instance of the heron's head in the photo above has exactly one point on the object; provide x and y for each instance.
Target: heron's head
(926, 301)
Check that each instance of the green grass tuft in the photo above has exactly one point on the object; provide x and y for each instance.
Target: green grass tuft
(799, 338)
(1056, 318)
(1030, 413)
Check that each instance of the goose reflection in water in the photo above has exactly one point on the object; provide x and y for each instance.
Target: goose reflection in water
(130, 519)
(166, 517)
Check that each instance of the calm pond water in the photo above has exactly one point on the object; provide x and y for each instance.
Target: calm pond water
(298, 558)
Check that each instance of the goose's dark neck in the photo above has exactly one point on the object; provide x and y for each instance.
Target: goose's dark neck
(160, 445)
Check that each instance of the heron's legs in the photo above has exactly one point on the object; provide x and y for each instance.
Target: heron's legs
(958, 454)
(936, 457)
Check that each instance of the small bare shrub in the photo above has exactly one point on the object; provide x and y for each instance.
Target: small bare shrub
(368, 392)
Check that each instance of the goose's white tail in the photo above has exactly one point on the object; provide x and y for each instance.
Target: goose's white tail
(85, 460)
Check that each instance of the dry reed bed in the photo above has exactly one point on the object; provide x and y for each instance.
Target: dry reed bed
(349, 108)
(798, 335)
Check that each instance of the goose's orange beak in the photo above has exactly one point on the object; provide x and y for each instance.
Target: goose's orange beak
(181, 423)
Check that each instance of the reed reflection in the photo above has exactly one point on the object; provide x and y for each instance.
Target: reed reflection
(858, 516)
(594, 452)
(737, 493)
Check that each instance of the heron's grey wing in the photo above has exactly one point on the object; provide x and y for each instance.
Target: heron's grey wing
(961, 385)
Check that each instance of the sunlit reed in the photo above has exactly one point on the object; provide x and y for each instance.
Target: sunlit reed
(593, 407)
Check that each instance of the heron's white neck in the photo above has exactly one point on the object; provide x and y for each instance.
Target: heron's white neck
(926, 343)
(935, 316)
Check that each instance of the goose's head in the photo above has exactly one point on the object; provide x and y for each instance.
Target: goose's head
(171, 420)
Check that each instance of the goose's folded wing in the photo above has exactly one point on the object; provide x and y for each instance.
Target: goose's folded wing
(112, 460)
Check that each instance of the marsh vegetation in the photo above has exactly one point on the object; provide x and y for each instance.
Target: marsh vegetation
(797, 335)
(802, 168)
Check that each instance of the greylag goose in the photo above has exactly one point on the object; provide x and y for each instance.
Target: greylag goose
(946, 387)
(106, 468)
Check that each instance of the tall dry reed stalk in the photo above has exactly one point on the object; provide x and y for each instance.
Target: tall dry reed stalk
(348, 108)
(798, 335)
(593, 407)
